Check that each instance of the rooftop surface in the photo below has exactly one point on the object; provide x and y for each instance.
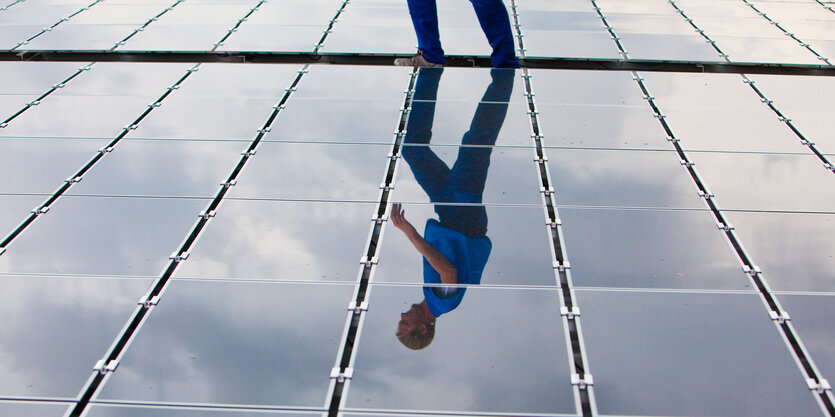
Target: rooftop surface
(197, 238)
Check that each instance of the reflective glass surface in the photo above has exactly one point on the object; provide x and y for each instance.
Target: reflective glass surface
(32, 163)
(586, 88)
(11, 35)
(621, 178)
(79, 116)
(570, 44)
(186, 117)
(240, 81)
(28, 409)
(373, 39)
(162, 168)
(664, 353)
(135, 411)
(172, 37)
(102, 236)
(668, 47)
(121, 14)
(70, 36)
(33, 77)
(517, 240)
(282, 241)
(649, 249)
(377, 83)
(14, 209)
(10, 104)
(584, 126)
(513, 179)
(355, 121)
(811, 317)
(793, 250)
(784, 182)
(118, 78)
(314, 172)
(803, 100)
(37, 14)
(273, 38)
(485, 374)
(55, 329)
(765, 50)
(287, 14)
(270, 335)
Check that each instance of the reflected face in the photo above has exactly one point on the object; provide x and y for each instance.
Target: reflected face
(410, 320)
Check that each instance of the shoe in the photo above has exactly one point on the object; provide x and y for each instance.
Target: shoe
(416, 61)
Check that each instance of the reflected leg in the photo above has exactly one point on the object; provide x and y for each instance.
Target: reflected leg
(494, 21)
(469, 173)
(429, 170)
(424, 15)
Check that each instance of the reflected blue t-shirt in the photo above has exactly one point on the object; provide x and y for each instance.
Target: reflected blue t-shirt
(468, 254)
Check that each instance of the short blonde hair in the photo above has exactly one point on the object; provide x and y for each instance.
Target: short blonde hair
(416, 341)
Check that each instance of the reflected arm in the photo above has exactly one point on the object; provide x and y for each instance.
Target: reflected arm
(448, 273)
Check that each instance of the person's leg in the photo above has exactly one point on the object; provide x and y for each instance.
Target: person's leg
(494, 21)
(424, 15)
(429, 170)
(469, 173)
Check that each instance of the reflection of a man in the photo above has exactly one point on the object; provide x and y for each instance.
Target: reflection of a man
(455, 247)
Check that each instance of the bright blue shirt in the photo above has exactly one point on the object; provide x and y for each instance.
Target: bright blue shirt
(468, 254)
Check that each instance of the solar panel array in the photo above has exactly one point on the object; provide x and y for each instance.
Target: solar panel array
(185, 238)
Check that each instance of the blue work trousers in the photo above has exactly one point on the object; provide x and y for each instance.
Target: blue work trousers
(494, 21)
(464, 183)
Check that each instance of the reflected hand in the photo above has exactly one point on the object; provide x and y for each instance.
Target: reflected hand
(399, 219)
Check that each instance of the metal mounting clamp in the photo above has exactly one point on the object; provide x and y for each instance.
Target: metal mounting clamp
(340, 375)
(105, 368)
(724, 226)
(706, 194)
(582, 383)
(687, 163)
(148, 302)
(570, 313)
(230, 183)
(179, 257)
(379, 220)
(818, 386)
(39, 210)
(752, 270)
(248, 153)
(363, 306)
(368, 262)
(779, 316)
(561, 266)
(207, 214)
(553, 223)
(73, 180)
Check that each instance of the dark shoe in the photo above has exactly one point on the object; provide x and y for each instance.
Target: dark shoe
(416, 61)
